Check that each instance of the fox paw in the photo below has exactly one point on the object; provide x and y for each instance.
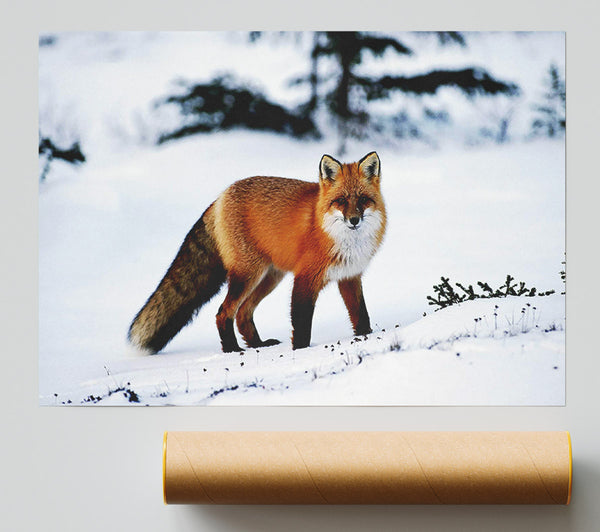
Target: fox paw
(300, 345)
(230, 347)
(265, 343)
(270, 342)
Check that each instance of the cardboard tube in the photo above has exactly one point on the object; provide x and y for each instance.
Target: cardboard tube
(367, 467)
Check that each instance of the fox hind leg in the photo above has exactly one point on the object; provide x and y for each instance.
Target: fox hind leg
(240, 286)
(244, 317)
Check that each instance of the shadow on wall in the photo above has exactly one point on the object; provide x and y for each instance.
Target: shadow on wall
(382, 518)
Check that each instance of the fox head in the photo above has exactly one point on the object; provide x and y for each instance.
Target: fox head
(350, 194)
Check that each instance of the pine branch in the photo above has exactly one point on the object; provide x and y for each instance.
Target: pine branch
(447, 295)
(471, 81)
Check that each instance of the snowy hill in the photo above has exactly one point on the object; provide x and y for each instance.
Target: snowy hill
(495, 351)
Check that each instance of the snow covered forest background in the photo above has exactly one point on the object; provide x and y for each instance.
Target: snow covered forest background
(139, 132)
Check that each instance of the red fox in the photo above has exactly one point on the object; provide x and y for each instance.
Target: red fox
(257, 230)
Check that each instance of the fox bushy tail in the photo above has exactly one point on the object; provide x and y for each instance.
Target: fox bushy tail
(194, 277)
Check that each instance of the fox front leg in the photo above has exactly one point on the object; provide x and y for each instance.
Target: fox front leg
(304, 297)
(352, 294)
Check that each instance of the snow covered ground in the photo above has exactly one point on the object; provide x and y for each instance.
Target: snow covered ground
(506, 351)
(110, 228)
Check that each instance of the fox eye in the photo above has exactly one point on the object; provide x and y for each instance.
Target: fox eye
(340, 201)
(364, 200)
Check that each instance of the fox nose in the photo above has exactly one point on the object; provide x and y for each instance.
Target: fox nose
(354, 220)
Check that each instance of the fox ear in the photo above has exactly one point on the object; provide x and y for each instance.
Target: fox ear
(329, 168)
(370, 165)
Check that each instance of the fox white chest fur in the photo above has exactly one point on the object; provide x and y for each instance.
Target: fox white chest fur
(354, 246)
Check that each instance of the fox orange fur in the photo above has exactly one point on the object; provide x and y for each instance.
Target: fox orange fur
(257, 230)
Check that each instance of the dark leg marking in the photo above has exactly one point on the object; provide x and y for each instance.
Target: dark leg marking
(304, 297)
(227, 311)
(228, 339)
(352, 294)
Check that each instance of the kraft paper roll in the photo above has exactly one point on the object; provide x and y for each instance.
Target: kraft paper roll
(367, 467)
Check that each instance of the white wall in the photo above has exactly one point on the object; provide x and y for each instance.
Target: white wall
(99, 469)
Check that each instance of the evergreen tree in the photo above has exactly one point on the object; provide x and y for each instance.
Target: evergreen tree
(48, 151)
(222, 104)
(550, 119)
(346, 101)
